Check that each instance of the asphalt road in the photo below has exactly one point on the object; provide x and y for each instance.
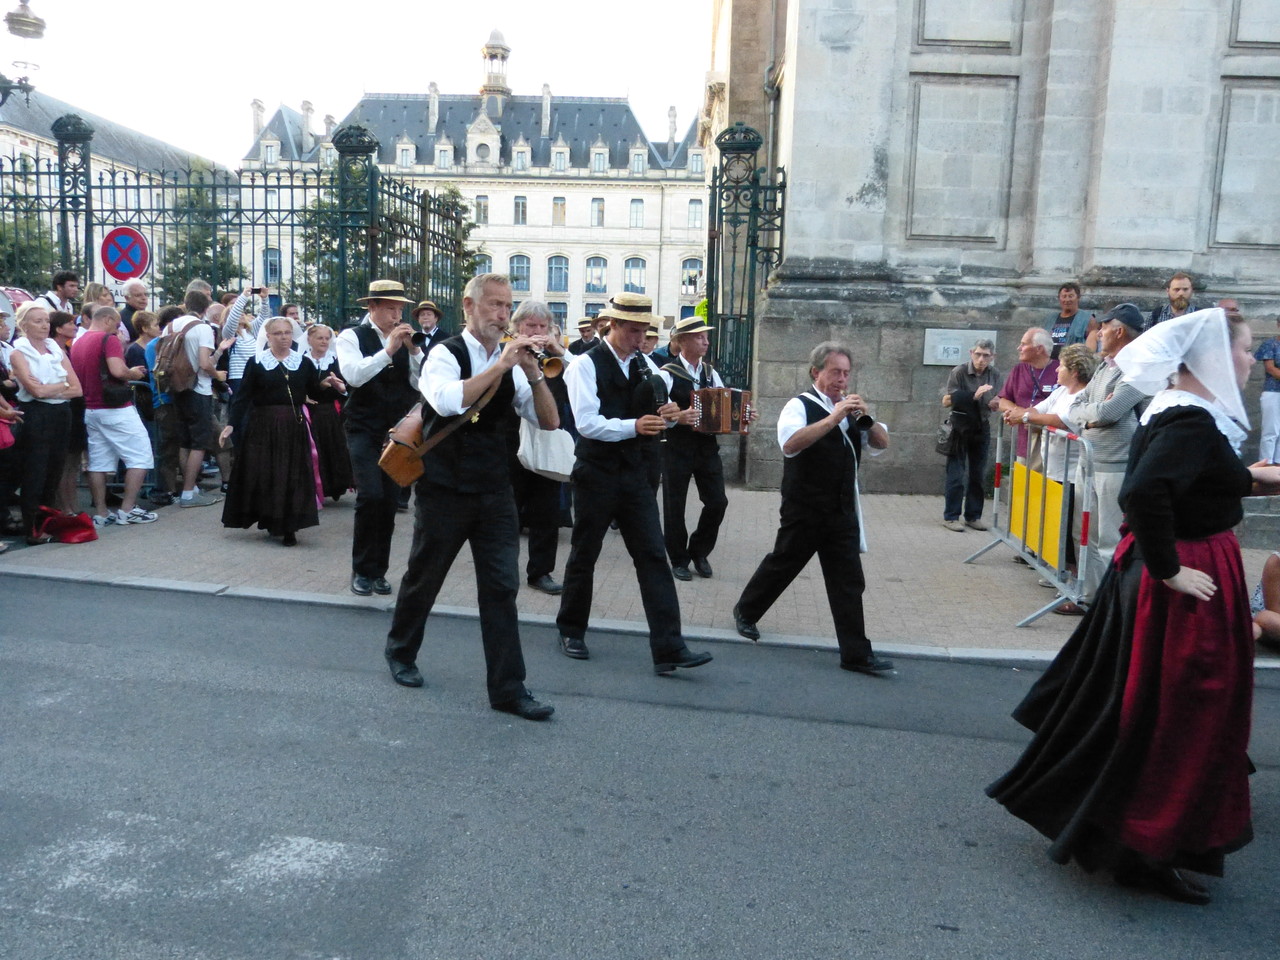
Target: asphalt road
(184, 776)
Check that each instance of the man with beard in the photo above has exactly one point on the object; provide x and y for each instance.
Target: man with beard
(1179, 302)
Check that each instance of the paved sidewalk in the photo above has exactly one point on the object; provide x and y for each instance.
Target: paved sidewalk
(921, 599)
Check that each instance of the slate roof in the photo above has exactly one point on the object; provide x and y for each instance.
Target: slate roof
(579, 120)
(110, 139)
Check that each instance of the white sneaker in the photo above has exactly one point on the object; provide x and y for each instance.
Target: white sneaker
(136, 515)
(201, 499)
(106, 521)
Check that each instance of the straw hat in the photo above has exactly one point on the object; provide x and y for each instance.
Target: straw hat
(386, 290)
(630, 308)
(428, 305)
(691, 325)
(586, 322)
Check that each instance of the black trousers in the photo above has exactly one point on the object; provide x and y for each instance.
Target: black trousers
(601, 496)
(42, 450)
(444, 520)
(538, 507)
(696, 458)
(377, 496)
(833, 536)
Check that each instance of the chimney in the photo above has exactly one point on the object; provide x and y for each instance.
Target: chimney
(308, 138)
(546, 109)
(671, 134)
(258, 110)
(329, 124)
(433, 110)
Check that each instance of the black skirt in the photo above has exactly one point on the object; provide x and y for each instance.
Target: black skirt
(331, 448)
(272, 483)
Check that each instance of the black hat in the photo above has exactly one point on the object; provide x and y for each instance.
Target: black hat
(1127, 314)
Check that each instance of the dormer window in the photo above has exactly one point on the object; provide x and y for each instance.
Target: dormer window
(560, 161)
(695, 164)
(599, 161)
(637, 162)
(444, 158)
(270, 153)
(520, 161)
(404, 155)
(482, 152)
(328, 155)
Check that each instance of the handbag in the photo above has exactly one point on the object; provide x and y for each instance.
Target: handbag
(548, 453)
(946, 438)
(405, 446)
(115, 392)
(65, 527)
(6, 435)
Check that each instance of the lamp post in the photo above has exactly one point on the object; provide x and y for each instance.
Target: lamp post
(21, 23)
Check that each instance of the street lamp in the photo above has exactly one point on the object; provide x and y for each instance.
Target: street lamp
(21, 23)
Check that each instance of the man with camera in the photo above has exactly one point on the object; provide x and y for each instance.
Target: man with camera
(620, 407)
(380, 365)
(470, 384)
(822, 434)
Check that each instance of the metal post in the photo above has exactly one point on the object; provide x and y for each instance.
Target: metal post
(74, 136)
(357, 183)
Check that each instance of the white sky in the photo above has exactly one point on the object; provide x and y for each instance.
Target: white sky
(186, 71)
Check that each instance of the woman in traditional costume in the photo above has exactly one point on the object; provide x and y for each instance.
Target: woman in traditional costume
(332, 460)
(1138, 762)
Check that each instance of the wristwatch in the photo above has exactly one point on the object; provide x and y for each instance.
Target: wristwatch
(1026, 416)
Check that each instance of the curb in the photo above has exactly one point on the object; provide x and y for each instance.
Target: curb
(974, 655)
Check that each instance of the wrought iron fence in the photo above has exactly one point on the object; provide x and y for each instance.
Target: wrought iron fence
(314, 237)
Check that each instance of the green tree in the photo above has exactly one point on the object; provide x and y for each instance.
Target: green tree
(198, 245)
(28, 252)
(319, 272)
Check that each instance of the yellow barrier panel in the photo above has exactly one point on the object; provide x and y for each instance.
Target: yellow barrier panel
(1038, 501)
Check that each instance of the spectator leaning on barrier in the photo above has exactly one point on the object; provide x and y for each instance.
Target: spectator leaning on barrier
(1032, 378)
(1107, 412)
(969, 395)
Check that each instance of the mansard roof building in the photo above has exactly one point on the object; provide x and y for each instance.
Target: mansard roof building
(569, 195)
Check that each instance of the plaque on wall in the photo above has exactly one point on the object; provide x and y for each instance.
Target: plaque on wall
(946, 347)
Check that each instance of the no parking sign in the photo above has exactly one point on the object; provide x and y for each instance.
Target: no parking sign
(125, 253)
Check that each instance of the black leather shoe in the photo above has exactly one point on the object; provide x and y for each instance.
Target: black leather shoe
(361, 586)
(405, 674)
(1166, 881)
(872, 666)
(681, 571)
(574, 647)
(526, 707)
(546, 585)
(745, 627)
(685, 659)
(381, 587)
(702, 567)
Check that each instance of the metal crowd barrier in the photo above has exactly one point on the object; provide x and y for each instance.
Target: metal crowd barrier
(1031, 511)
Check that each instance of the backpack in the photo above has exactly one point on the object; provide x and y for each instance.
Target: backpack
(173, 371)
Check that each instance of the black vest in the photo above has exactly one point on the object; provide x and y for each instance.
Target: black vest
(378, 404)
(619, 400)
(822, 476)
(682, 393)
(472, 459)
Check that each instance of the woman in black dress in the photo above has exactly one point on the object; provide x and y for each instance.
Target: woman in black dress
(273, 481)
(332, 460)
(1141, 724)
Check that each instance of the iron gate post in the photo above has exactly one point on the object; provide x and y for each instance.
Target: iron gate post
(74, 136)
(357, 202)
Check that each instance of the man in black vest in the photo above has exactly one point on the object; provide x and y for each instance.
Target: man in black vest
(465, 493)
(380, 365)
(688, 455)
(620, 407)
(821, 433)
(586, 336)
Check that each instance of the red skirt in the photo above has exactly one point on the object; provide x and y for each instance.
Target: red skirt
(1189, 697)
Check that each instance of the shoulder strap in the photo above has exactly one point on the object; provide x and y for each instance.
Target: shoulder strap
(676, 369)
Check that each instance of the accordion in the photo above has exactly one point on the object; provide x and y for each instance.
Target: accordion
(722, 410)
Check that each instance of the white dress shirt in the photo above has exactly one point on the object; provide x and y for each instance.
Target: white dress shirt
(580, 381)
(695, 372)
(793, 419)
(357, 369)
(441, 383)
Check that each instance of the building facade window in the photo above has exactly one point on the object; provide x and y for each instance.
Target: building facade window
(637, 213)
(690, 276)
(328, 156)
(559, 313)
(482, 209)
(560, 161)
(695, 214)
(695, 163)
(482, 152)
(597, 282)
(270, 153)
(597, 211)
(557, 211)
(557, 274)
(520, 212)
(637, 163)
(518, 268)
(484, 263)
(444, 158)
(520, 161)
(404, 156)
(271, 266)
(633, 275)
(592, 309)
(599, 161)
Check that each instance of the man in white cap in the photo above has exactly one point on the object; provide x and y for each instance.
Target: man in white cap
(381, 366)
(620, 408)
